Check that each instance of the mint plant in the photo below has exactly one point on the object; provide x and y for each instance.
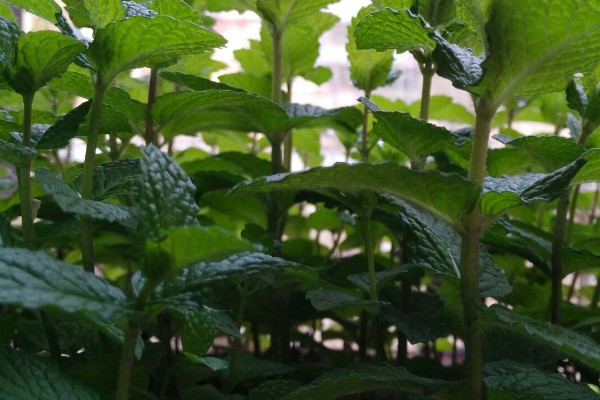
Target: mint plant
(145, 272)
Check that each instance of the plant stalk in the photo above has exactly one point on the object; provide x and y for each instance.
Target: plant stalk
(364, 148)
(25, 176)
(87, 229)
(427, 71)
(150, 135)
(469, 262)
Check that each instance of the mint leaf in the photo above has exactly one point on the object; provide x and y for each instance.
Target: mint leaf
(569, 343)
(195, 82)
(390, 29)
(591, 170)
(500, 194)
(40, 57)
(198, 331)
(25, 376)
(93, 13)
(522, 64)
(166, 195)
(458, 65)
(248, 367)
(448, 196)
(359, 378)
(59, 134)
(526, 382)
(414, 137)
(46, 9)
(69, 201)
(141, 42)
(8, 41)
(35, 280)
(326, 299)
(274, 389)
(284, 13)
(114, 178)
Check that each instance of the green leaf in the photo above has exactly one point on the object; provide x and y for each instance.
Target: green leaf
(550, 152)
(141, 42)
(8, 41)
(166, 195)
(500, 194)
(113, 178)
(432, 244)
(526, 382)
(40, 57)
(198, 331)
(414, 137)
(274, 389)
(282, 13)
(249, 83)
(448, 196)
(12, 153)
(46, 9)
(6, 12)
(458, 65)
(59, 134)
(195, 82)
(359, 378)
(190, 244)
(325, 299)
(69, 201)
(369, 69)
(35, 280)
(177, 113)
(390, 29)
(318, 75)
(93, 13)
(521, 64)
(181, 10)
(248, 367)
(442, 108)
(214, 363)
(591, 170)
(569, 343)
(25, 376)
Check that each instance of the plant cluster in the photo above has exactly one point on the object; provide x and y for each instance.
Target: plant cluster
(149, 273)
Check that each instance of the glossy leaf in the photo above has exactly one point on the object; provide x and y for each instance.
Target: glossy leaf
(140, 42)
(448, 196)
(457, 64)
(179, 9)
(526, 382)
(26, 376)
(9, 38)
(414, 137)
(69, 201)
(359, 378)
(166, 195)
(565, 341)
(500, 194)
(288, 12)
(522, 64)
(35, 280)
(40, 57)
(390, 29)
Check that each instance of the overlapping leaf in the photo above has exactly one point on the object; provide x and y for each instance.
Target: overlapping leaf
(114, 178)
(288, 12)
(59, 134)
(94, 14)
(448, 196)
(139, 42)
(46, 9)
(35, 280)
(500, 194)
(69, 201)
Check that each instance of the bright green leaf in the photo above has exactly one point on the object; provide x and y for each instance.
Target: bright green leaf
(195, 82)
(282, 13)
(46, 9)
(93, 13)
(390, 29)
(141, 42)
(524, 64)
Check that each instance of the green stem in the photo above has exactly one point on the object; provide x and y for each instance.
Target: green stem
(25, 176)
(87, 229)
(572, 211)
(469, 262)
(150, 135)
(427, 71)
(364, 150)
(131, 335)
(370, 256)
(288, 143)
